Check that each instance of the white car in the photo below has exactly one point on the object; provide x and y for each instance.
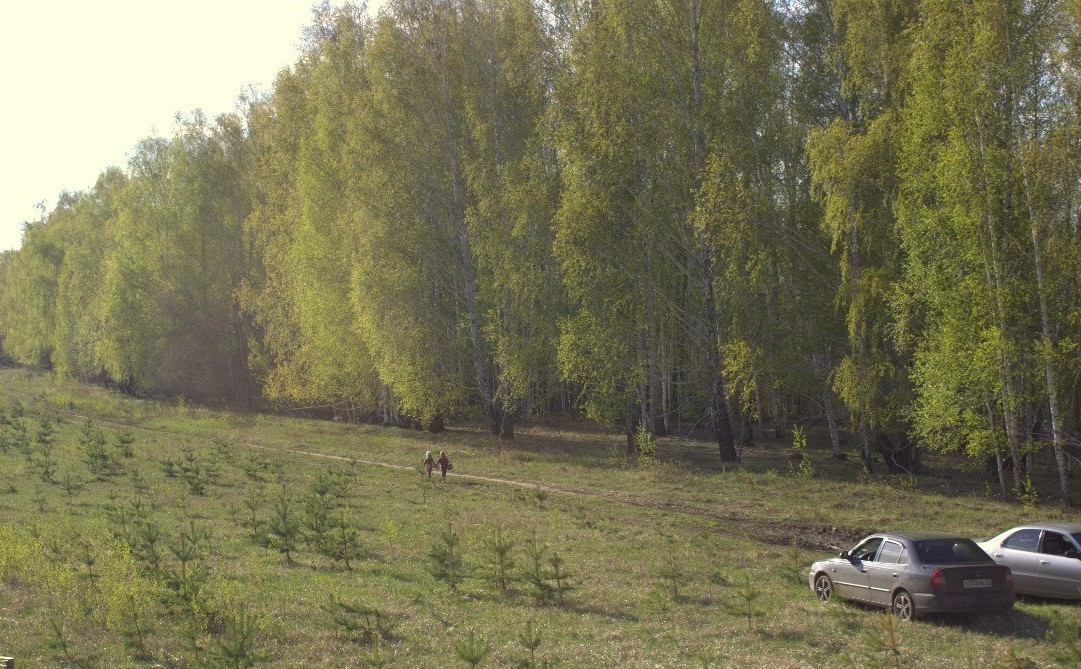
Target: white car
(1045, 558)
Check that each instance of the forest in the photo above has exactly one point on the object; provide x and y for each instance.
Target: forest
(660, 215)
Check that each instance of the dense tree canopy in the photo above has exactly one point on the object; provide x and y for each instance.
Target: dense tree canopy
(663, 214)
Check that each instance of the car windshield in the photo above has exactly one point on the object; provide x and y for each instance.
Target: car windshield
(950, 551)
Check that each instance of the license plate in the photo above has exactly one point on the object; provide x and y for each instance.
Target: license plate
(977, 583)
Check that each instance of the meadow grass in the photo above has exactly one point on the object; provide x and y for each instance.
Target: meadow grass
(176, 556)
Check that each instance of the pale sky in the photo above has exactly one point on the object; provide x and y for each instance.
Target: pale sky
(82, 81)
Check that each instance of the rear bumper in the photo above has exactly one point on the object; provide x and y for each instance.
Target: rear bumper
(946, 603)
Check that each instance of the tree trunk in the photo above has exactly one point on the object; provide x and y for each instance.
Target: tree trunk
(502, 422)
(718, 405)
(865, 441)
(900, 458)
(1058, 436)
(469, 290)
(994, 285)
(831, 422)
(631, 425)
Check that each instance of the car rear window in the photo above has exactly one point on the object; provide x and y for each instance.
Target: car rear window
(950, 551)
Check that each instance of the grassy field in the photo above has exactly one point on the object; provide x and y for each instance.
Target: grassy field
(143, 534)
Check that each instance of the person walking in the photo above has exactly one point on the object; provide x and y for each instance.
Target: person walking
(444, 464)
(429, 464)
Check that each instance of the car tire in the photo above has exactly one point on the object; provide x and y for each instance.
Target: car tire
(823, 587)
(904, 607)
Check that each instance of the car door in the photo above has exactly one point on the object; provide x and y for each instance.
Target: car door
(1059, 574)
(850, 577)
(1018, 551)
(884, 572)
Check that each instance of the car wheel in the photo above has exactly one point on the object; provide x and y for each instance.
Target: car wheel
(903, 605)
(823, 587)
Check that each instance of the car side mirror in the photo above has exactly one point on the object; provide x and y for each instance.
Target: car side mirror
(844, 555)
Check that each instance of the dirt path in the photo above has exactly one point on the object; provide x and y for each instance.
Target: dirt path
(729, 522)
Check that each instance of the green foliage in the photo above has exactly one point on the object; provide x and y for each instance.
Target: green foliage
(645, 444)
(194, 470)
(284, 526)
(100, 460)
(562, 580)
(60, 640)
(135, 627)
(189, 575)
(882, 647)
(125, 442)
(343, 542)
(253, 522)
(536, 569)
(1027, 495)
(236, 648)
(500, 559)
(316, 521)
(486, 209)
(640, 212)
(799, 462)
(71, 483)
(471, 650)
(746, 603)
(546, 572)
(530, 639)
(672, 574)
(71, 559)
(375, 658)
(447, 564)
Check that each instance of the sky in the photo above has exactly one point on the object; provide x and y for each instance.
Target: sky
(83, 81)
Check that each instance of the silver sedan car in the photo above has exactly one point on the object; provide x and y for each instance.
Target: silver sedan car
(915, 573)
(1045, 558)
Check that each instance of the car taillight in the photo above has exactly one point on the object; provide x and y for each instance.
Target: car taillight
(938, 580)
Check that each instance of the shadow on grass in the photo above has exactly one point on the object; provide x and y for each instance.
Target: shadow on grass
(1049, 601)
(1013, 623)
(580, 608)
(592, 447)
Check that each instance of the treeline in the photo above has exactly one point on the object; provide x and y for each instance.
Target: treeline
(662, 213)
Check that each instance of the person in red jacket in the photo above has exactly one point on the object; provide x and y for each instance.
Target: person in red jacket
(444, 464)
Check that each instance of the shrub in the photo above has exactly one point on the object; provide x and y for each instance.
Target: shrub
(343, 542)
(447, 564)
(235, 648)
(284, 526)
(646, 444)
(500, 561)
(472, 651)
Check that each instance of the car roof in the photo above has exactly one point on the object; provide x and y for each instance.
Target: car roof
(1068, 528)
(919, 535)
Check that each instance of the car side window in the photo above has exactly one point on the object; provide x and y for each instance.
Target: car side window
(1054, 544)
(1023, 540)
(866, 551)
(891, 553)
